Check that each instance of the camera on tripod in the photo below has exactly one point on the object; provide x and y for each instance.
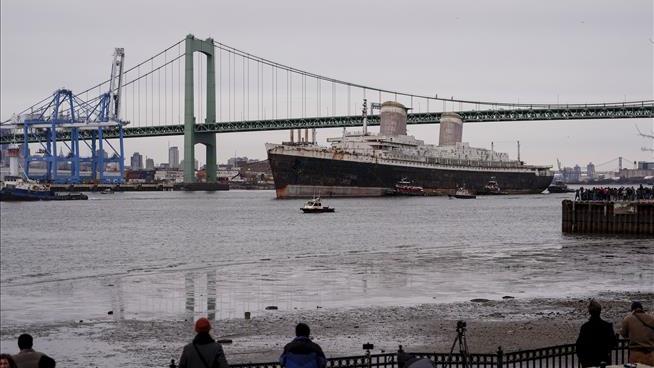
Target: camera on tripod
(461, 340)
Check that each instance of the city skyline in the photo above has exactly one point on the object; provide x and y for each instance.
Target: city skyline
(597, 166)
(463, 50)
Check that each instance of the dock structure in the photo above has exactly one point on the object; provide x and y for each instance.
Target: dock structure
(608, 217)
(140, 187)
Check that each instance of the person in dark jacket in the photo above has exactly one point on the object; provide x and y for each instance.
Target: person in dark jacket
(204, 351)
(47, 362)
(302, 352)
(28, 357)
(596, 339)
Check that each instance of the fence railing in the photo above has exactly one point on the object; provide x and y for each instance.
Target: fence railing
(560, 356)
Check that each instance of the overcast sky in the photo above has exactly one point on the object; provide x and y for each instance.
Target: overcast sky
(531, 51)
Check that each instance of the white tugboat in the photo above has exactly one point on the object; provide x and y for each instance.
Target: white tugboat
(463, 193)
(315, 206)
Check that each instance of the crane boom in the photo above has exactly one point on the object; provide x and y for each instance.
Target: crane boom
(115, 83)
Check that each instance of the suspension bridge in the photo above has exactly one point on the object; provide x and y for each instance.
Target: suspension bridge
(198, 88)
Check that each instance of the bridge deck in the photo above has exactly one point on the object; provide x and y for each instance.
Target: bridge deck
(577, 112)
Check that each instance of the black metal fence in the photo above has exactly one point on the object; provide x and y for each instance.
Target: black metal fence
(560, 356)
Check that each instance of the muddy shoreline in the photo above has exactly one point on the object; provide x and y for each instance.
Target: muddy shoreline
(513, 324)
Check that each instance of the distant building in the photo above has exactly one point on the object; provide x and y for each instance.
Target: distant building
(169, 176)
(237, 161)
(577, 173)
(195, 165)
(590, 170)
(140, 176)
(643, 169)
(227, 175)
(173, 157)
(257, 171)
(136, 162)
(571, 175)
(149, 164)
(636, 173)
(4, 158)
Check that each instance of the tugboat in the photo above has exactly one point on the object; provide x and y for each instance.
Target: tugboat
(559, 187)
(16, 189)
(315, 206)
(463, 193)
(491, 188)
(404, 187)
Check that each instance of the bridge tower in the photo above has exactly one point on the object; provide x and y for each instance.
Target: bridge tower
(191, 137)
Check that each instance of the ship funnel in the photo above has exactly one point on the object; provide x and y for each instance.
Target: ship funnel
(451, 129)
(393, 118)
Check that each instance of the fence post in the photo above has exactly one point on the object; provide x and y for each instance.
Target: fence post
(500, 357)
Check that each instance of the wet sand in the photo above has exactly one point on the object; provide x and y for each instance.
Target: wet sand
(514, 324)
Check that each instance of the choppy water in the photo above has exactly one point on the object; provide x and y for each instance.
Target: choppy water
(171, 255)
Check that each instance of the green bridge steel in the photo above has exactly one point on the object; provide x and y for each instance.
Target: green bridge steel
(576, 112)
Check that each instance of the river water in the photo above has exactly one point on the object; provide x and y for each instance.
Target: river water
(172, 255)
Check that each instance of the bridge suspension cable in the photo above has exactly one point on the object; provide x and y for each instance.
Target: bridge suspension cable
(277, 65)
(39, 106)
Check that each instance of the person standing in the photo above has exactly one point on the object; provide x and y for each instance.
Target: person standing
(28, 357)
(638, 327)
(302, 352)
(596, 339)
(203, 351)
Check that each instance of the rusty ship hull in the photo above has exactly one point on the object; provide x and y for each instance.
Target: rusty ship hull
(300, 175)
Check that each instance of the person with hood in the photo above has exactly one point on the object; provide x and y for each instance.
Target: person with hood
(638, 327)
(302, 352)
(596, 339)
(203, 351)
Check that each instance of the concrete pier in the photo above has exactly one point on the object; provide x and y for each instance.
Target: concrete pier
(602, 217)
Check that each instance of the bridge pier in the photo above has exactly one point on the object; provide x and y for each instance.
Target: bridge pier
(191, 137)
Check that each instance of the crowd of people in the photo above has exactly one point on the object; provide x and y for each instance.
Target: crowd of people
(614, 194)
(594, 344)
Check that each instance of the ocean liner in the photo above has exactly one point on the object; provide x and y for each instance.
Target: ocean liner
(361, 164)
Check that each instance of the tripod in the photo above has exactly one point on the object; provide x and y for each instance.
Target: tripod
(463, 345)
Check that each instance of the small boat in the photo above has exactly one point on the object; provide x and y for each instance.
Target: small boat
(463, 193)
(559, 187)
(491, 188)
(17, 189)
(315, 206)
(106, 191)
(404, 187)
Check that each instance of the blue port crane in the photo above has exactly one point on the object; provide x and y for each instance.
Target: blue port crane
(66, 112)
